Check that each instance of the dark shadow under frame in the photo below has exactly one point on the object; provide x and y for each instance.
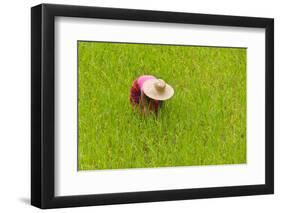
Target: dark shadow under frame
(43, 105)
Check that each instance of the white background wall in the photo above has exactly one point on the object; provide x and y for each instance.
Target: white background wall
(15, 105)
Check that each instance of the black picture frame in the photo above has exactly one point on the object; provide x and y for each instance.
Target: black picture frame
(43, 102)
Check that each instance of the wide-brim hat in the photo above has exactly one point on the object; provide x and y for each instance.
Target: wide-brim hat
(157, 89)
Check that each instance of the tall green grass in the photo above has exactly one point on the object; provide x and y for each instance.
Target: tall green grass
(203, 124)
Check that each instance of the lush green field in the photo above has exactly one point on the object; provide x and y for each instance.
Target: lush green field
(203, 124)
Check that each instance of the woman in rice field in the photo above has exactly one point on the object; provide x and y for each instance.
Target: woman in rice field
(148, 93)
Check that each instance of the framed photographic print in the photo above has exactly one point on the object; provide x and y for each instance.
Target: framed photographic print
(139, 106)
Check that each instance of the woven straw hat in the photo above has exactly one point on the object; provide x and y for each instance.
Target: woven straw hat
(157, 89)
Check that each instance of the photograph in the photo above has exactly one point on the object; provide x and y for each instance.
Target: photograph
(132, 105)
(151, 105)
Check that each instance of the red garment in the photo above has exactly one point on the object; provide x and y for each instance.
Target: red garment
(135, 93)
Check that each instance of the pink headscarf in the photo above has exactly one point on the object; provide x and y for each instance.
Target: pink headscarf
(143, 78)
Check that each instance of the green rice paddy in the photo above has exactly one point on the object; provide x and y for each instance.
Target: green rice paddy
(203, 124)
